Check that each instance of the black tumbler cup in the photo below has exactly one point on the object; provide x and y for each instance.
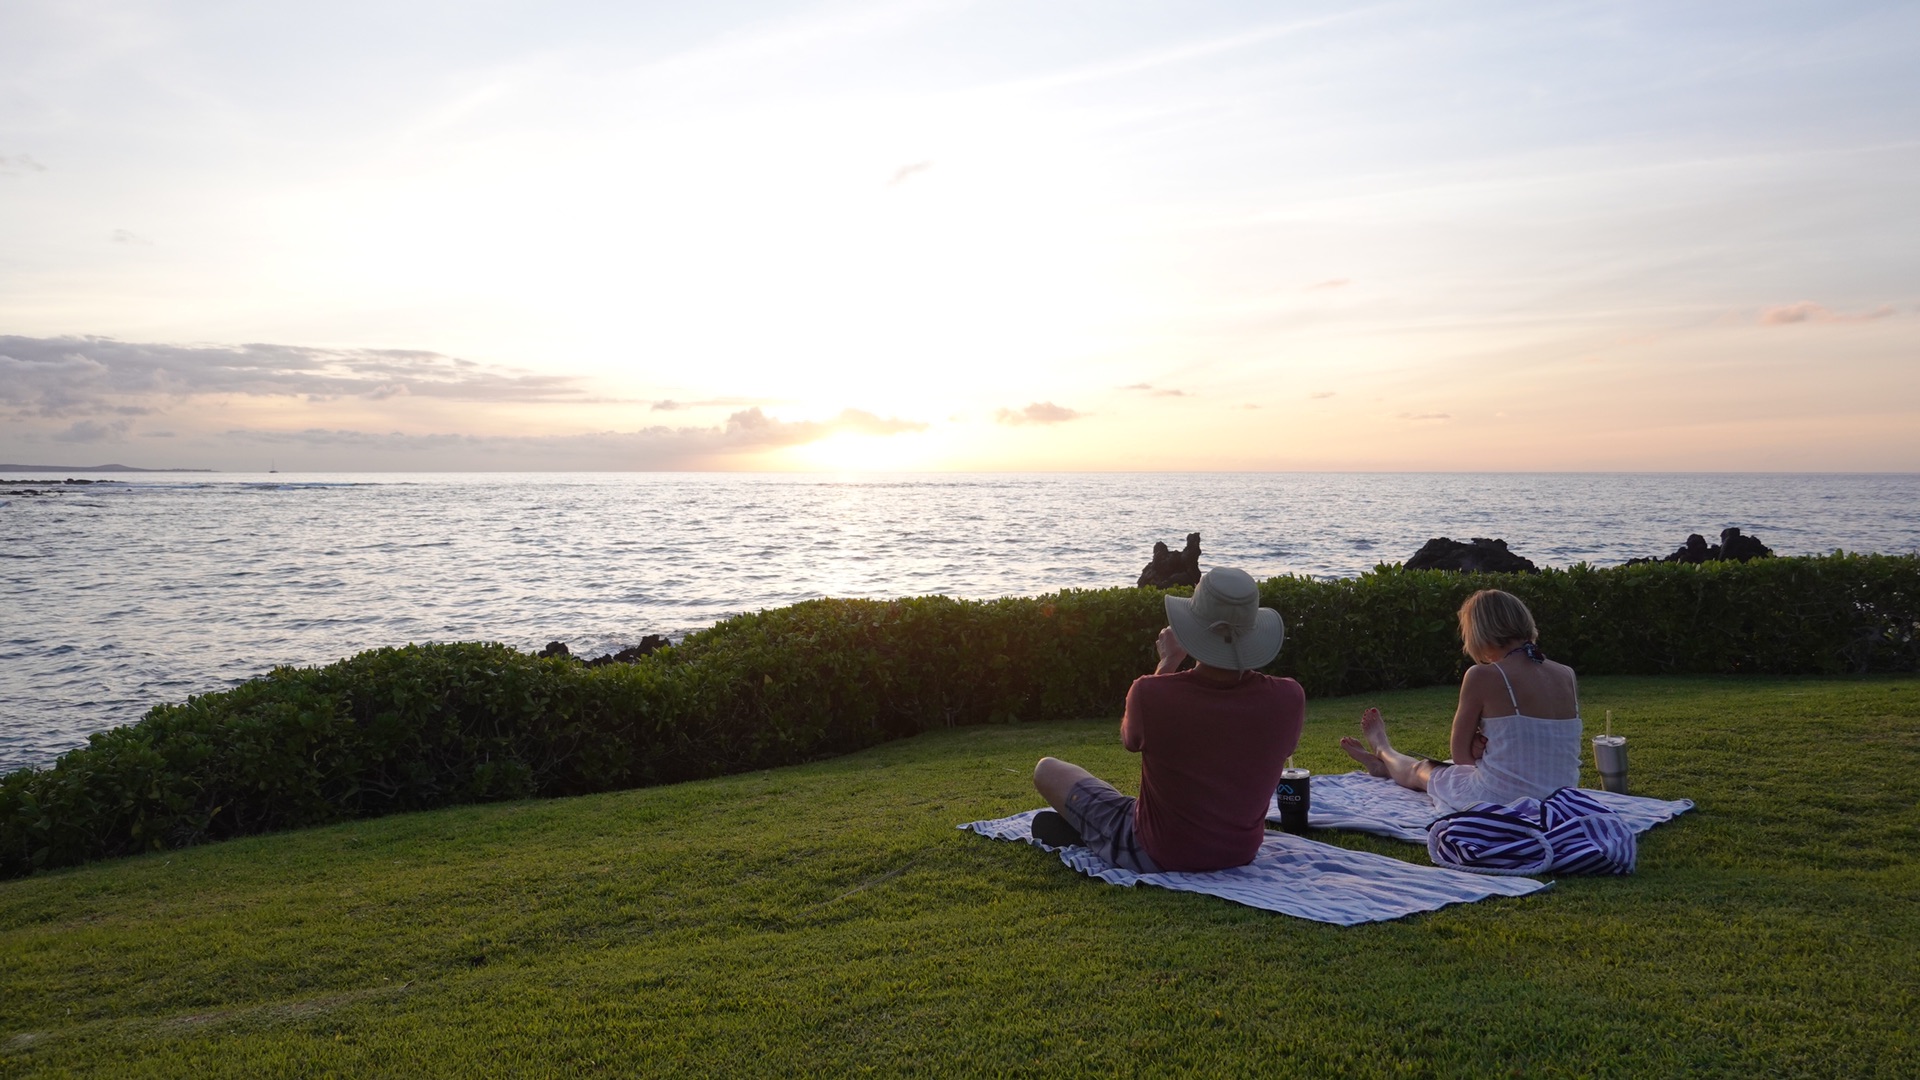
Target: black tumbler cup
(1294, 795)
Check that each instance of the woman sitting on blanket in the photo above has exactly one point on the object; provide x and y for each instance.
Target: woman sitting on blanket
(1212, 741)
(1517, 731)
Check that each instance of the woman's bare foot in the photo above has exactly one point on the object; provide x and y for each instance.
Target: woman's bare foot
(1368, 761)
(1408, 772)
(1374, 727)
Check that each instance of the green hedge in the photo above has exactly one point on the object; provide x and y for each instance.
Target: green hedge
(424, 726)
(1396, 628)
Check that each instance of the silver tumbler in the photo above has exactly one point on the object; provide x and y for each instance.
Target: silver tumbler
(1610, 756)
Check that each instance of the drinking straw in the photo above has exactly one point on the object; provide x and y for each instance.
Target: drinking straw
(1609, 723)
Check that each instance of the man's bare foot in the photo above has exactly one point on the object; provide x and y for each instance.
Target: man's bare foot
(1369, 762)
(1374, 727)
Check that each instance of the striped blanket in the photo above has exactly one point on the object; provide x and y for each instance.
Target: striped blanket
(1377, 805)
(1296, 876)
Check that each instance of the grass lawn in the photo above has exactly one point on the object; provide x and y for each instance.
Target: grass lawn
(829, 919)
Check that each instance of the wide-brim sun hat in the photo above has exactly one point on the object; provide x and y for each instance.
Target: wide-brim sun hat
(1223, 625)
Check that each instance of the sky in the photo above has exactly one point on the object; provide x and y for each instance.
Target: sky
(929, 236)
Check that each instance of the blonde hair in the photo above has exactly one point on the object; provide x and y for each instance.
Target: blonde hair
(1491, 618)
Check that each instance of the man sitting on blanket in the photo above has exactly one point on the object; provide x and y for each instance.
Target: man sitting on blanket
(1212, 741)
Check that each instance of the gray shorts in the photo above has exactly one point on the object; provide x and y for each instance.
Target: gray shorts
(1104, 819)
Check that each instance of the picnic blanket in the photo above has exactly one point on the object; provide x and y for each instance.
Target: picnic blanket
(1296, 876)
(1375, 804)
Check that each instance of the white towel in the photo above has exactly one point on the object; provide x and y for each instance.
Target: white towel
(1296, 876)
(1375, 804)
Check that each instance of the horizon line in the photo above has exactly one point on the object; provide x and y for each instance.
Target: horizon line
(118, 468)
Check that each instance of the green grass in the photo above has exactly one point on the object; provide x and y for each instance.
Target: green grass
(829, 919)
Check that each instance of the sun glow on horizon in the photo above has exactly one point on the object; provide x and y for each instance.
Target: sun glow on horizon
(855, 452)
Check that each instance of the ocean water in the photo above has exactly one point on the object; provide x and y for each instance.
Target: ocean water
(118, 596)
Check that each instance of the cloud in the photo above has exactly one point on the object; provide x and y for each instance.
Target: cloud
(19, 164)
(753, 429)
(93, 431)
(1149, 388)
(1040, 412)
(89, 389)
(1330, 283)
(1138, 386)
(670, 405)
(1322, 395)
(1783, 314)
(1808, 311)
(908, 172)
(866, 423)
(657, 447)
(1426, 416)
(75, 376)
(123, 236)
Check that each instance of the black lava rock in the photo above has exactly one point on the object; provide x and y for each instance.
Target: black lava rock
(1733, 547)
(1480, 556)
(650, 644)
(1170, 568)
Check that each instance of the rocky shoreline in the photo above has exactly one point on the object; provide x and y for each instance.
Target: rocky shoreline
(650, 644)
(47, 487)
(1169, 569)
(1479, 555)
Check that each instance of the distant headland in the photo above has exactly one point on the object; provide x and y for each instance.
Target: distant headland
(87, 468)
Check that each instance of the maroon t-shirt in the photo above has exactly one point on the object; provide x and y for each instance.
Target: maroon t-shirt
(1209, 759)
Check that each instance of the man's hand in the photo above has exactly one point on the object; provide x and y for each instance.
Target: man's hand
(1171, 654)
